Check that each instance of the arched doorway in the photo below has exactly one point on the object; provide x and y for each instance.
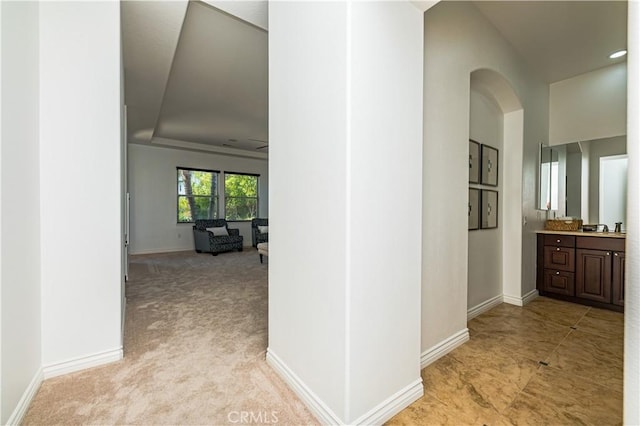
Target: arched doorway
(495, 254)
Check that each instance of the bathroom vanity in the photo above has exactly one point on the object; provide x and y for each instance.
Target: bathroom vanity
(582, 267)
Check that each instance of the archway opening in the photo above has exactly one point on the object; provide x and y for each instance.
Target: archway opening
(496, 122)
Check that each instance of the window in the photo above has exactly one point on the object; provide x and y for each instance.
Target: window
(240, 196)
(197, 194)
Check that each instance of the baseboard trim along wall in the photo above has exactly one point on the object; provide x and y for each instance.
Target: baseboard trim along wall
(319, 409)
(495, 301)
(444, 347)
(82, 363)
(23, 405)
(122, 318)
(175, 250)
(392, 405)
(533, 294)
(521, 301)
(378, 415)
(165, 250)
(484, 307)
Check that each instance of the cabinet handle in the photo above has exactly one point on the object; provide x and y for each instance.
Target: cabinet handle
(557, 241)
(608, 254)
(558, 249)
(615, 254)
(557, 273)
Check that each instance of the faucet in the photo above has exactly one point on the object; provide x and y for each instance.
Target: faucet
(605, 228)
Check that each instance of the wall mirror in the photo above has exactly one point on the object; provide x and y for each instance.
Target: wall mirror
(548, 172)
(586, 180)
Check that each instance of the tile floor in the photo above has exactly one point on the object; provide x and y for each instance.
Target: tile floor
(548, 363)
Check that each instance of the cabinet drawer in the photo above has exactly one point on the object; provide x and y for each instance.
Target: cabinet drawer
(600, 243)
(559, 282)
(559, 240)
(560, 258)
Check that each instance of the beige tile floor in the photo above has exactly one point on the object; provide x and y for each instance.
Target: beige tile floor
(497, 378)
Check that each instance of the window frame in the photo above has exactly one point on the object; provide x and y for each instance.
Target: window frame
(257, 197)
(215, 196)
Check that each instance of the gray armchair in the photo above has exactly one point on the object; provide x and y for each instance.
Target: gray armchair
(258, 237)
(206, 242)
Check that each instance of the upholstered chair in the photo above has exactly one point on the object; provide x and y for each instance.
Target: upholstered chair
(214, 236)
(257, 226)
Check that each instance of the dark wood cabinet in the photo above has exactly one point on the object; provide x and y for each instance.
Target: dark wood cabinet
(617, 282)
(557, 265)
(560, 258)
(587, 270)
(593, 275)
(559, 282)
(559, 240)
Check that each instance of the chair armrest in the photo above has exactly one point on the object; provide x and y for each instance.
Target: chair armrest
(233, 231)
(262, 238)
(201, 239)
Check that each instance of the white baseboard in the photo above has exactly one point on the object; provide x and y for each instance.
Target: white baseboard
(82, 363)
(444, 347)
(521, 301)
(392, 405)
(23, 405)
(310, 399)
(164, 250)
(533, 294)
(484, 307)
(377, 416)
(173, 250)
(122, 319)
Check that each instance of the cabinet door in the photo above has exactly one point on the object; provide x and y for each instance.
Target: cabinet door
(559, 282)
(559, 258)
(593, 275)
(618, 278)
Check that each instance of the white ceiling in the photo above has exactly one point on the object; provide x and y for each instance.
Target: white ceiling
(196, 76)
(150, 33)
(561, 39)
(217, 92)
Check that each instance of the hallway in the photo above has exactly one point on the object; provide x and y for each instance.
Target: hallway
(195, 341)
(196, 335)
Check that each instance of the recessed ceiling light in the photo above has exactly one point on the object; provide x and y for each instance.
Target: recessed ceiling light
(618, 54)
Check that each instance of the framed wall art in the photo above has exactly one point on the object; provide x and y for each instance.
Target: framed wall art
(474, 209)
(474, 161)
(489, 166)
(489, 209)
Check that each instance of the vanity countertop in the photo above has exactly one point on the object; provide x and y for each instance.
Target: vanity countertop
(584, 234)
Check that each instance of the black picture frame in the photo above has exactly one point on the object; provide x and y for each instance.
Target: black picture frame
(489, 209)
(474, 161)
(489, 166)
(474, 209)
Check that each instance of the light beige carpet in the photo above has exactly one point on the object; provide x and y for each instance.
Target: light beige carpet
(195, 342)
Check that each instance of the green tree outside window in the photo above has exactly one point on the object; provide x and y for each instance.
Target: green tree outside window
(197, 195)
(240, 196)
